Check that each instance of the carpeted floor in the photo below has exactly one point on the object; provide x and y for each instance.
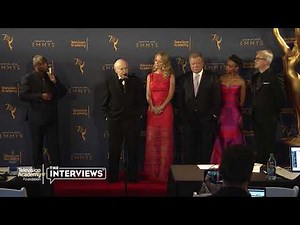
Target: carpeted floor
(103, 188)
(75, 188)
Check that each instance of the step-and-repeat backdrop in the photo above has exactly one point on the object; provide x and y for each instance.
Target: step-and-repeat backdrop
(81, 57)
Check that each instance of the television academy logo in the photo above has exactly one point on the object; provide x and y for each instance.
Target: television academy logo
(52, 173)
(12, 157)
(183, 44)
(28, 173)
(80, 43)
(10, 89)
(144, 66)
(81, 112)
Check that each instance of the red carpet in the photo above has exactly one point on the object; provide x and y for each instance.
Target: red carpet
(83, 188)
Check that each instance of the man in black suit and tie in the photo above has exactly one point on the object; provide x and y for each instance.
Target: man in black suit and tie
(268, 96)
(199, 106)
(122, 106)
(41, 89)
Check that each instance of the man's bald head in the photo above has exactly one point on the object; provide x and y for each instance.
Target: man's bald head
(121, 68)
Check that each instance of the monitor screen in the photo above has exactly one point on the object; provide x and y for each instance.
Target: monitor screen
(295, 158)
(257, 191)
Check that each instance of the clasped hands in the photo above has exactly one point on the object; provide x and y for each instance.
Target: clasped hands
(156, 109)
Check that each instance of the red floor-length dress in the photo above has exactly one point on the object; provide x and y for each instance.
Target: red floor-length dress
(159, 132)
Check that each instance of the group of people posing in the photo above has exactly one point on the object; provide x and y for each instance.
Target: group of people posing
(209, 108)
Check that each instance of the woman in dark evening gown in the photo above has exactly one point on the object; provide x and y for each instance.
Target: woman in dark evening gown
(233, 92)
(159, 131)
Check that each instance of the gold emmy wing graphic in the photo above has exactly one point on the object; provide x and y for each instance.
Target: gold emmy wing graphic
(9, 40)
(217, 39)
(82, 132)
(114, 41)
(79, 63)
(11, 109)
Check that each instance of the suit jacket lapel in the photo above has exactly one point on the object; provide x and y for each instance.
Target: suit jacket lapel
(117, 84)
(258, 82)
(190, 88)
(191, 83)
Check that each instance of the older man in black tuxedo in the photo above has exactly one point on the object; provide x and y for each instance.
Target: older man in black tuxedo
(122, 105)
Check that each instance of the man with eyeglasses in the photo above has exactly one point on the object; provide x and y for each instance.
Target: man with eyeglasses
(268, 96)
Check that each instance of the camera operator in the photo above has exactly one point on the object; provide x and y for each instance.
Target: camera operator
(236, 169)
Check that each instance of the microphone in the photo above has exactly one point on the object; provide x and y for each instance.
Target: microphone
(50, 74)
(50, 70)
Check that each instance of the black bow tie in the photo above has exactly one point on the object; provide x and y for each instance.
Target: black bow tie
(122, 82)
(122, 78)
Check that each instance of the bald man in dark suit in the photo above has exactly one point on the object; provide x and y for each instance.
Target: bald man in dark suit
(122, 106)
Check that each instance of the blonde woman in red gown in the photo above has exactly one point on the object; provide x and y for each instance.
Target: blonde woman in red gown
(159, 131)
(233, 93)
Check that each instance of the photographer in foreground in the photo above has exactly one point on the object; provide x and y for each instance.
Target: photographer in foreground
(236, 168)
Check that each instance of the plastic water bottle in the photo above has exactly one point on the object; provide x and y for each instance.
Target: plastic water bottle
(271, 167)
(12, 168)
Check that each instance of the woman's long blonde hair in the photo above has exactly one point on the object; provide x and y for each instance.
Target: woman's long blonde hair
(166, 64)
